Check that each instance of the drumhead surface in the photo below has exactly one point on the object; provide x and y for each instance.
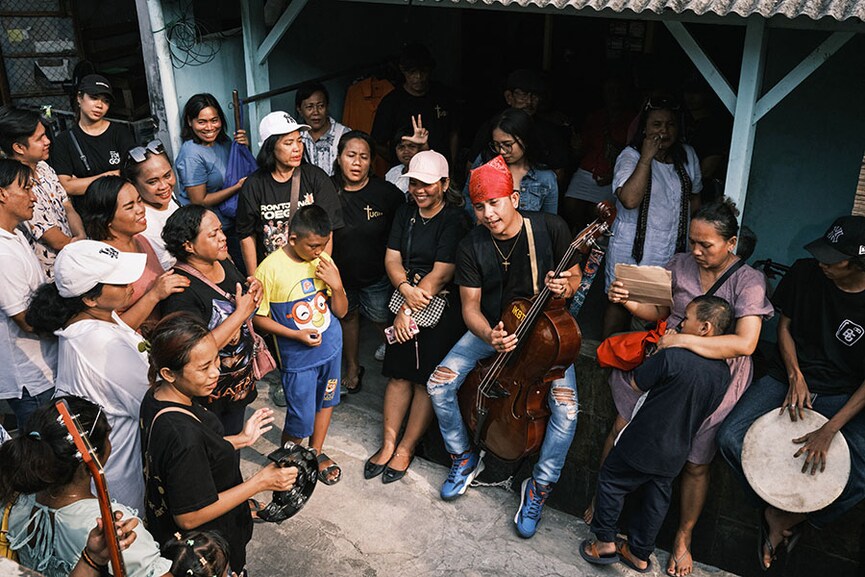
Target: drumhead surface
(773, 473)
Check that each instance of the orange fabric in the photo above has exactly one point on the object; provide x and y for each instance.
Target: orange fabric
(628, 351)
(491, 180)
(361, 101)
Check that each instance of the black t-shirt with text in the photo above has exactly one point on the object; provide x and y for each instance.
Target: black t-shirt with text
(827, 325)
(104, 152)
(264, 206)
(684, 389)
(236, 379)
(359, 246)
(517, 276)
(189, 463)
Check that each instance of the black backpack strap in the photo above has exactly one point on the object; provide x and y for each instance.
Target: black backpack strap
(723, 278)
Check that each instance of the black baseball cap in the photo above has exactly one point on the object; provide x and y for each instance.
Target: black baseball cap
(96, 85)
(843, 240)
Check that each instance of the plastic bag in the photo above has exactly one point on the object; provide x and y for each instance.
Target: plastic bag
(241, 163)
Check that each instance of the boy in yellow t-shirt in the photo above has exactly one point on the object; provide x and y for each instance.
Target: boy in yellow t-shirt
(302, 292)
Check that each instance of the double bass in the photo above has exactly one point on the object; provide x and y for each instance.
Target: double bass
(503, 401)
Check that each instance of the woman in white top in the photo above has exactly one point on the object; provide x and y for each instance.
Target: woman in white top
(149, 170)
(100, 357)
(54, 508)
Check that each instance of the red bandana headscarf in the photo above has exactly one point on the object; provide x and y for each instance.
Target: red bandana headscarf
(491, 180)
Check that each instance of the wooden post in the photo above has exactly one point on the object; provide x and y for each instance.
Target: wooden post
(257, 74)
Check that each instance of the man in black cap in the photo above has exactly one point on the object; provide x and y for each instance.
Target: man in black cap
(524, 90)
(821, 341)
(93, 147)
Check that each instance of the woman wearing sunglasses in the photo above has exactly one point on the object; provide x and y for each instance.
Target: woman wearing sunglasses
(149, 170)
(657, 183)
(514, 137)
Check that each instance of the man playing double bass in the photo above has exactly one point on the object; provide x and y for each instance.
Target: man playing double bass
(493, 267)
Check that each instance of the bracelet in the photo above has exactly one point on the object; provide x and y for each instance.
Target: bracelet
(93, 564)
(402, 283)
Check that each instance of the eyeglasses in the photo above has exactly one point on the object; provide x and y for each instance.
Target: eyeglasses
(500, 147)
(657, 103)
(139, 153)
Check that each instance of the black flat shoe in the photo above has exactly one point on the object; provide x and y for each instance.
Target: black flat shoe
(372, 470)
(358, 383)
(391, 475)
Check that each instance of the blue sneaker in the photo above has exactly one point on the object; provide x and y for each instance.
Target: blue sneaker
(532, 499)
(464, 469)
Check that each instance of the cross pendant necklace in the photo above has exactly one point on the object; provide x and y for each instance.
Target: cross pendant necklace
(506, 260)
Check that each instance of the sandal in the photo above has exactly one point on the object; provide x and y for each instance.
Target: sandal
(255, 507)
(324, 475)
(629, 559)
(593, 556)
(765, 544)
(358, 382)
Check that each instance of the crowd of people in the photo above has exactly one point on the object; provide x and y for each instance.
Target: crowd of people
(148, 294)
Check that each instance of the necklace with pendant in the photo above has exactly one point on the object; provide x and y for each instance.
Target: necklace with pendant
(506, 260)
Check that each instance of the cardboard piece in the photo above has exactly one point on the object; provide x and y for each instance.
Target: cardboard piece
(647, 284)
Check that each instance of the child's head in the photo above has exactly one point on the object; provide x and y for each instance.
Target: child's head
(197, 554)
(309, 232)
(707, 316)
(403, 149)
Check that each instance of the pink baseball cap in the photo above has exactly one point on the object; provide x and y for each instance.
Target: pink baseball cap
(427, 166)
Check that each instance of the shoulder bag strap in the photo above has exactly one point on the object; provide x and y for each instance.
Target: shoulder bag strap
(295, 193)
(162, 412)
(80, 152)
(723, 278)
(533, 255)
(407, 263)
(191, 270)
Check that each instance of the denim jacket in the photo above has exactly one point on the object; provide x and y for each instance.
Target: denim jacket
(539, 191)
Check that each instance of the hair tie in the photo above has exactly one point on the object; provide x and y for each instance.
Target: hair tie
(35, 435)
(177, 536)
(144, 346)
(189, 572)
(203, 561)
(190, 542)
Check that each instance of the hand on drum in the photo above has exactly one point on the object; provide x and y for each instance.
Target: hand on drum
(798, 398)
(816, 444)
(501, 341)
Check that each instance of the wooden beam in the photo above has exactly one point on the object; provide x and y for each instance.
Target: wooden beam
(744, 125)
(703, 63)
(804, 69)
(257, 73)
(279, 29)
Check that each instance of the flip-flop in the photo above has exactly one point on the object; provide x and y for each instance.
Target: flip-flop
(325, 475)
(594, 557)
(677, 560)
(255, 507)
(626, 557)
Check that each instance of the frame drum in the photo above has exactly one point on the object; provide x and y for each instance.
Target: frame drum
(773, 473)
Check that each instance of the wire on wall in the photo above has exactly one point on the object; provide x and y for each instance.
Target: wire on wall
(188, 40)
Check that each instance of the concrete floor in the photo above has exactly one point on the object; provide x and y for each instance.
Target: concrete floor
(365, 528)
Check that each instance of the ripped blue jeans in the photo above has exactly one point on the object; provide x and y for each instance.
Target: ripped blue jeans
(448, 378)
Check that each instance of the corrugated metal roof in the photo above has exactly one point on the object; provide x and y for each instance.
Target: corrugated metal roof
(815, 9)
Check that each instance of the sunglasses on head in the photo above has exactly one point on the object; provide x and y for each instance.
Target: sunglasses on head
(139, 153)
(661, 104)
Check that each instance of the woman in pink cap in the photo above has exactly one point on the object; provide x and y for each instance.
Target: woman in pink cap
(420, 258)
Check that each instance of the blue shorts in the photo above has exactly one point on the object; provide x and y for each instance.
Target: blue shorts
(307, 392)
(372, 300)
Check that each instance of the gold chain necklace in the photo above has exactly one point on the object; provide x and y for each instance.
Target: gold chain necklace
(506, 260)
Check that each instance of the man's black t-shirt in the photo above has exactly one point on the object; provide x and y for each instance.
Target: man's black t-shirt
(827, 325)
(104, 152)
(359, 246)
(192, 463)
(517, 276)
(437, 109)
(235, 359)
(264, 206)
(684, 389)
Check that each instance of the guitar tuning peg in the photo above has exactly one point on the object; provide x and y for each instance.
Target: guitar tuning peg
(69, 438)
(78, 456)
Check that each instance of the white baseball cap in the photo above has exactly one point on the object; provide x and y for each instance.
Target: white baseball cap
(427, 166)
(278, 122)
(83, 264)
